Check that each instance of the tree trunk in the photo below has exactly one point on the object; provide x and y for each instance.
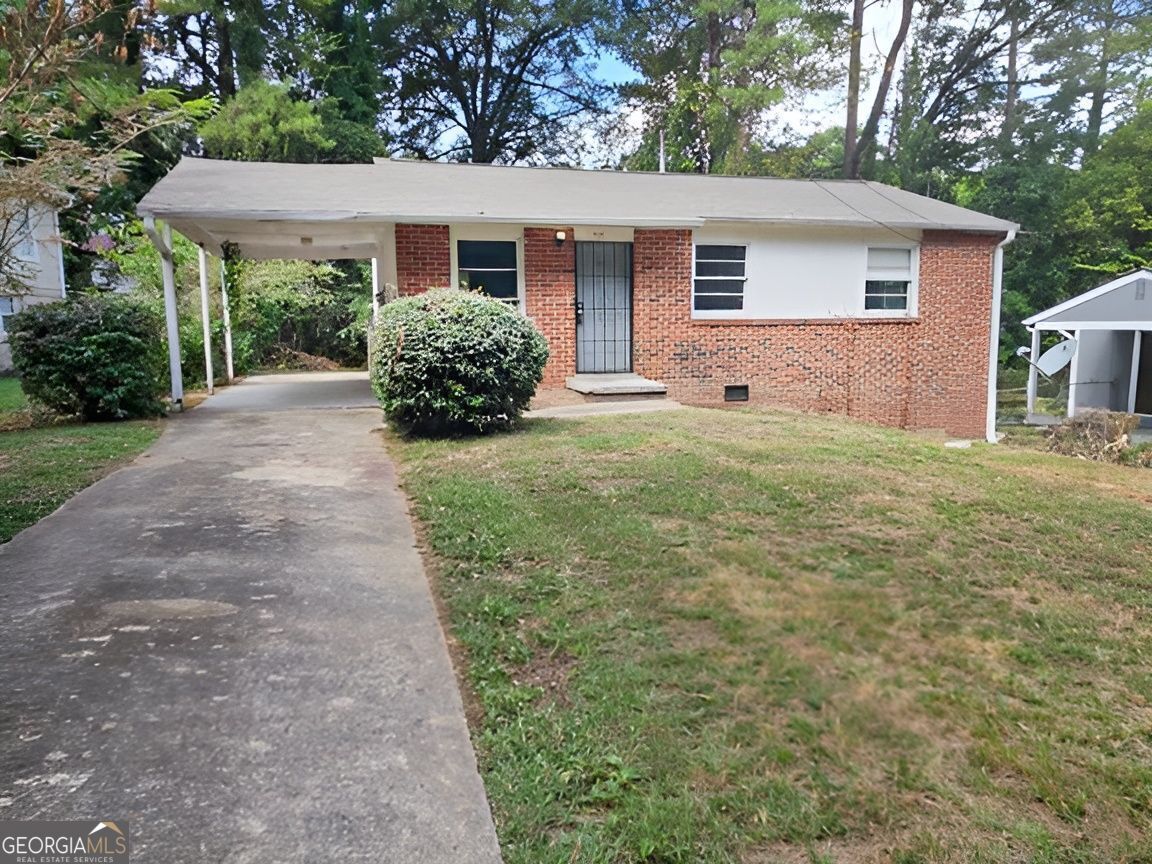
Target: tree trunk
(1013, 77)
(226, 62)
(1099, 93)
(867, 139)
(852, 119)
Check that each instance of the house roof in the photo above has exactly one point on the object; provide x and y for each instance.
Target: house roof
(437, 192)
(1105, 307)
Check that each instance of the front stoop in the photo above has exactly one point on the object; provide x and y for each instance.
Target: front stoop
(608, 386)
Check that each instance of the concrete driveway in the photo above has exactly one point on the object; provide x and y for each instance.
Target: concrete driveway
(231, 644)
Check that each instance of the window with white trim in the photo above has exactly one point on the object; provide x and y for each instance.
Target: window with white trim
(719, 277)
(24, 244)
(7, 307)
(888, 285)
(488, 266)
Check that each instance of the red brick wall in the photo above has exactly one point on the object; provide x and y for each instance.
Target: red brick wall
(925, 373)
(550, 289)
(930, 372)
(423, 258)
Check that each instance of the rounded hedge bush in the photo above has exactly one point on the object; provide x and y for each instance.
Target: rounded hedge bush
(99, 357)
(450, 361)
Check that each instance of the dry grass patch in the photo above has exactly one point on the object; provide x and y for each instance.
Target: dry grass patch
(775, 637)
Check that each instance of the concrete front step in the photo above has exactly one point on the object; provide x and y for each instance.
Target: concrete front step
(616, 386)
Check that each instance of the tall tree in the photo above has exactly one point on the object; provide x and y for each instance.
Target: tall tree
(857, 147)
(493, 80)
(266, 123)
(1096, 62)
(713, 69)
(216, 45)
(855, 62)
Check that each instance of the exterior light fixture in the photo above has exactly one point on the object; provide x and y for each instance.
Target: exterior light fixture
(560, 238)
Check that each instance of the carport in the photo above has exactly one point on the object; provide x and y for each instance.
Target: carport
(1111, 365)
(265, 211)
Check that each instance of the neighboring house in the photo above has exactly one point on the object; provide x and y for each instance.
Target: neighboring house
(1111, 365)
(36, 242)
(843, 297)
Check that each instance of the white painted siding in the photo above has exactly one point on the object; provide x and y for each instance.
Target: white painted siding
(45, 274)
(806, 272)
(1103, 368)
(1131, 301)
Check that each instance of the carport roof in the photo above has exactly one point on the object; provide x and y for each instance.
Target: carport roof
(1106, 307)
(205, 198)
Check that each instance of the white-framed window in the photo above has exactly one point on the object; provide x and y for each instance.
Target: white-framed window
(719, 276)
(890, 282)
(24, 245)
(489, 259)
(7, 307)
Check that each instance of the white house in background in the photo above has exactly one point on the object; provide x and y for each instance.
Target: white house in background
(1112, 363)
(38, 244)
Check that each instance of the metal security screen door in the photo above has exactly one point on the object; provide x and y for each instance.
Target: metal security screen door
(603, 307)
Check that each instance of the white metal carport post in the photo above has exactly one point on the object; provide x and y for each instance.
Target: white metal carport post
(227, 314)
(383, 273)
(383, 265)
(163, 243)
(1033, 373)
(205, 321)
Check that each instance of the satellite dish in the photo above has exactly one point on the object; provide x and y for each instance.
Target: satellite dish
(1056, 358)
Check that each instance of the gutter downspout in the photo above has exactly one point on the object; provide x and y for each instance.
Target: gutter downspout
(994, 333)
(59, 253)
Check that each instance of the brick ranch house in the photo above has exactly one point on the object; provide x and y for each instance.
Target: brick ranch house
(844, 297)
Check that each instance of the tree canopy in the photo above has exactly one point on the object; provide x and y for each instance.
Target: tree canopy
(1034, 111)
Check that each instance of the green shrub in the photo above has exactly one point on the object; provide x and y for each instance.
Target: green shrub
(451, 361)
(102, 358)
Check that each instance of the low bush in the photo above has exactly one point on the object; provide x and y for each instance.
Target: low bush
(98, 357)
(1102, 436)
(451, 361)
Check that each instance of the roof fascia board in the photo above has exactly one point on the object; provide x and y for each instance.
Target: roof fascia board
(269, 216)
(1092, 325)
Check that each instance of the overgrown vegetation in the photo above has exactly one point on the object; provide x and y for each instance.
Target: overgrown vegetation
(98, 358)
(758, 636)
(1102, 436)
(451, 361)
(276, 307)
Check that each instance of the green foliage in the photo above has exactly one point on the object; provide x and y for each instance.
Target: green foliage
(266, 123)
(494, 80)
(452, 361)
(101, 358)
(1109, 212)
(711, 68)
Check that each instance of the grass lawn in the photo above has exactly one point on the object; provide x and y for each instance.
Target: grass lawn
(41, 468)
(11, 396)
(764, 637)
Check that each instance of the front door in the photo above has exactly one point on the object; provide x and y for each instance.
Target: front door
(603, 307)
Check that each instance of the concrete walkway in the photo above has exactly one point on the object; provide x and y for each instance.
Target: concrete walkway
(231, 644)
